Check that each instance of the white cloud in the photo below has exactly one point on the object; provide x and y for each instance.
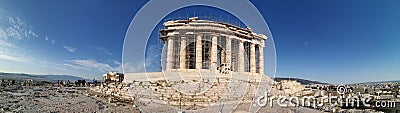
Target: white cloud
(47, 38)
(102, 50)
(91, 64)
(60, 67)
(22, 59)
(3, 33)
(70, 49)
(6, 44)
(153, 57)
(17, 28)
(129, 67)
(76, 67)
(13, 28)
(116, 62)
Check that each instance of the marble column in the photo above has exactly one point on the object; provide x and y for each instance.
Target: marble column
(261, 59)
(170, 53)
(241, 56)
(253, 67)
(182, 58)
(228, 50)
(214, 52)
(223, 56)
(199, 48)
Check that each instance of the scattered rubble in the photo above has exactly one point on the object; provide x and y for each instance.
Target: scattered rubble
(17, 98)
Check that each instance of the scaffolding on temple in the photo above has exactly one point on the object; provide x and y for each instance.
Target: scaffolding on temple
(233, 54)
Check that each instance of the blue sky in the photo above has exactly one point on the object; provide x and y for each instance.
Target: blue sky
(337, 41)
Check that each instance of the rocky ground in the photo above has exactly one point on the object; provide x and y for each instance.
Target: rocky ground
(49, 97)
(160, 96)
(40, 99)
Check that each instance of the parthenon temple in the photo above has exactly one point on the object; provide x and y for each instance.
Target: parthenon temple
(207, 66)
(196, 48)
(194, 45)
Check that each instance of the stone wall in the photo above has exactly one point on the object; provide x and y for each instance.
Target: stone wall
(204, 94)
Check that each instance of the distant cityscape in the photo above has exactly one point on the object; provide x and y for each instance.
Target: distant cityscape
(360, 97)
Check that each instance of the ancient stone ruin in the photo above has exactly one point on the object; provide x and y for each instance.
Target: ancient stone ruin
(209, 67)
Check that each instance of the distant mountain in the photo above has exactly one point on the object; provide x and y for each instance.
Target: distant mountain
(50, 78)
(301, 81)
(392, 81)
(378, 82)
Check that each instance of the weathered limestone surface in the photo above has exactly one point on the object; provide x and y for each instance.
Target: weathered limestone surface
(199, 52)
(170, 54)
(183, 53)
(261, 59)
(214, 50)
(252, 58)
(241, 56)
(192, 93)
